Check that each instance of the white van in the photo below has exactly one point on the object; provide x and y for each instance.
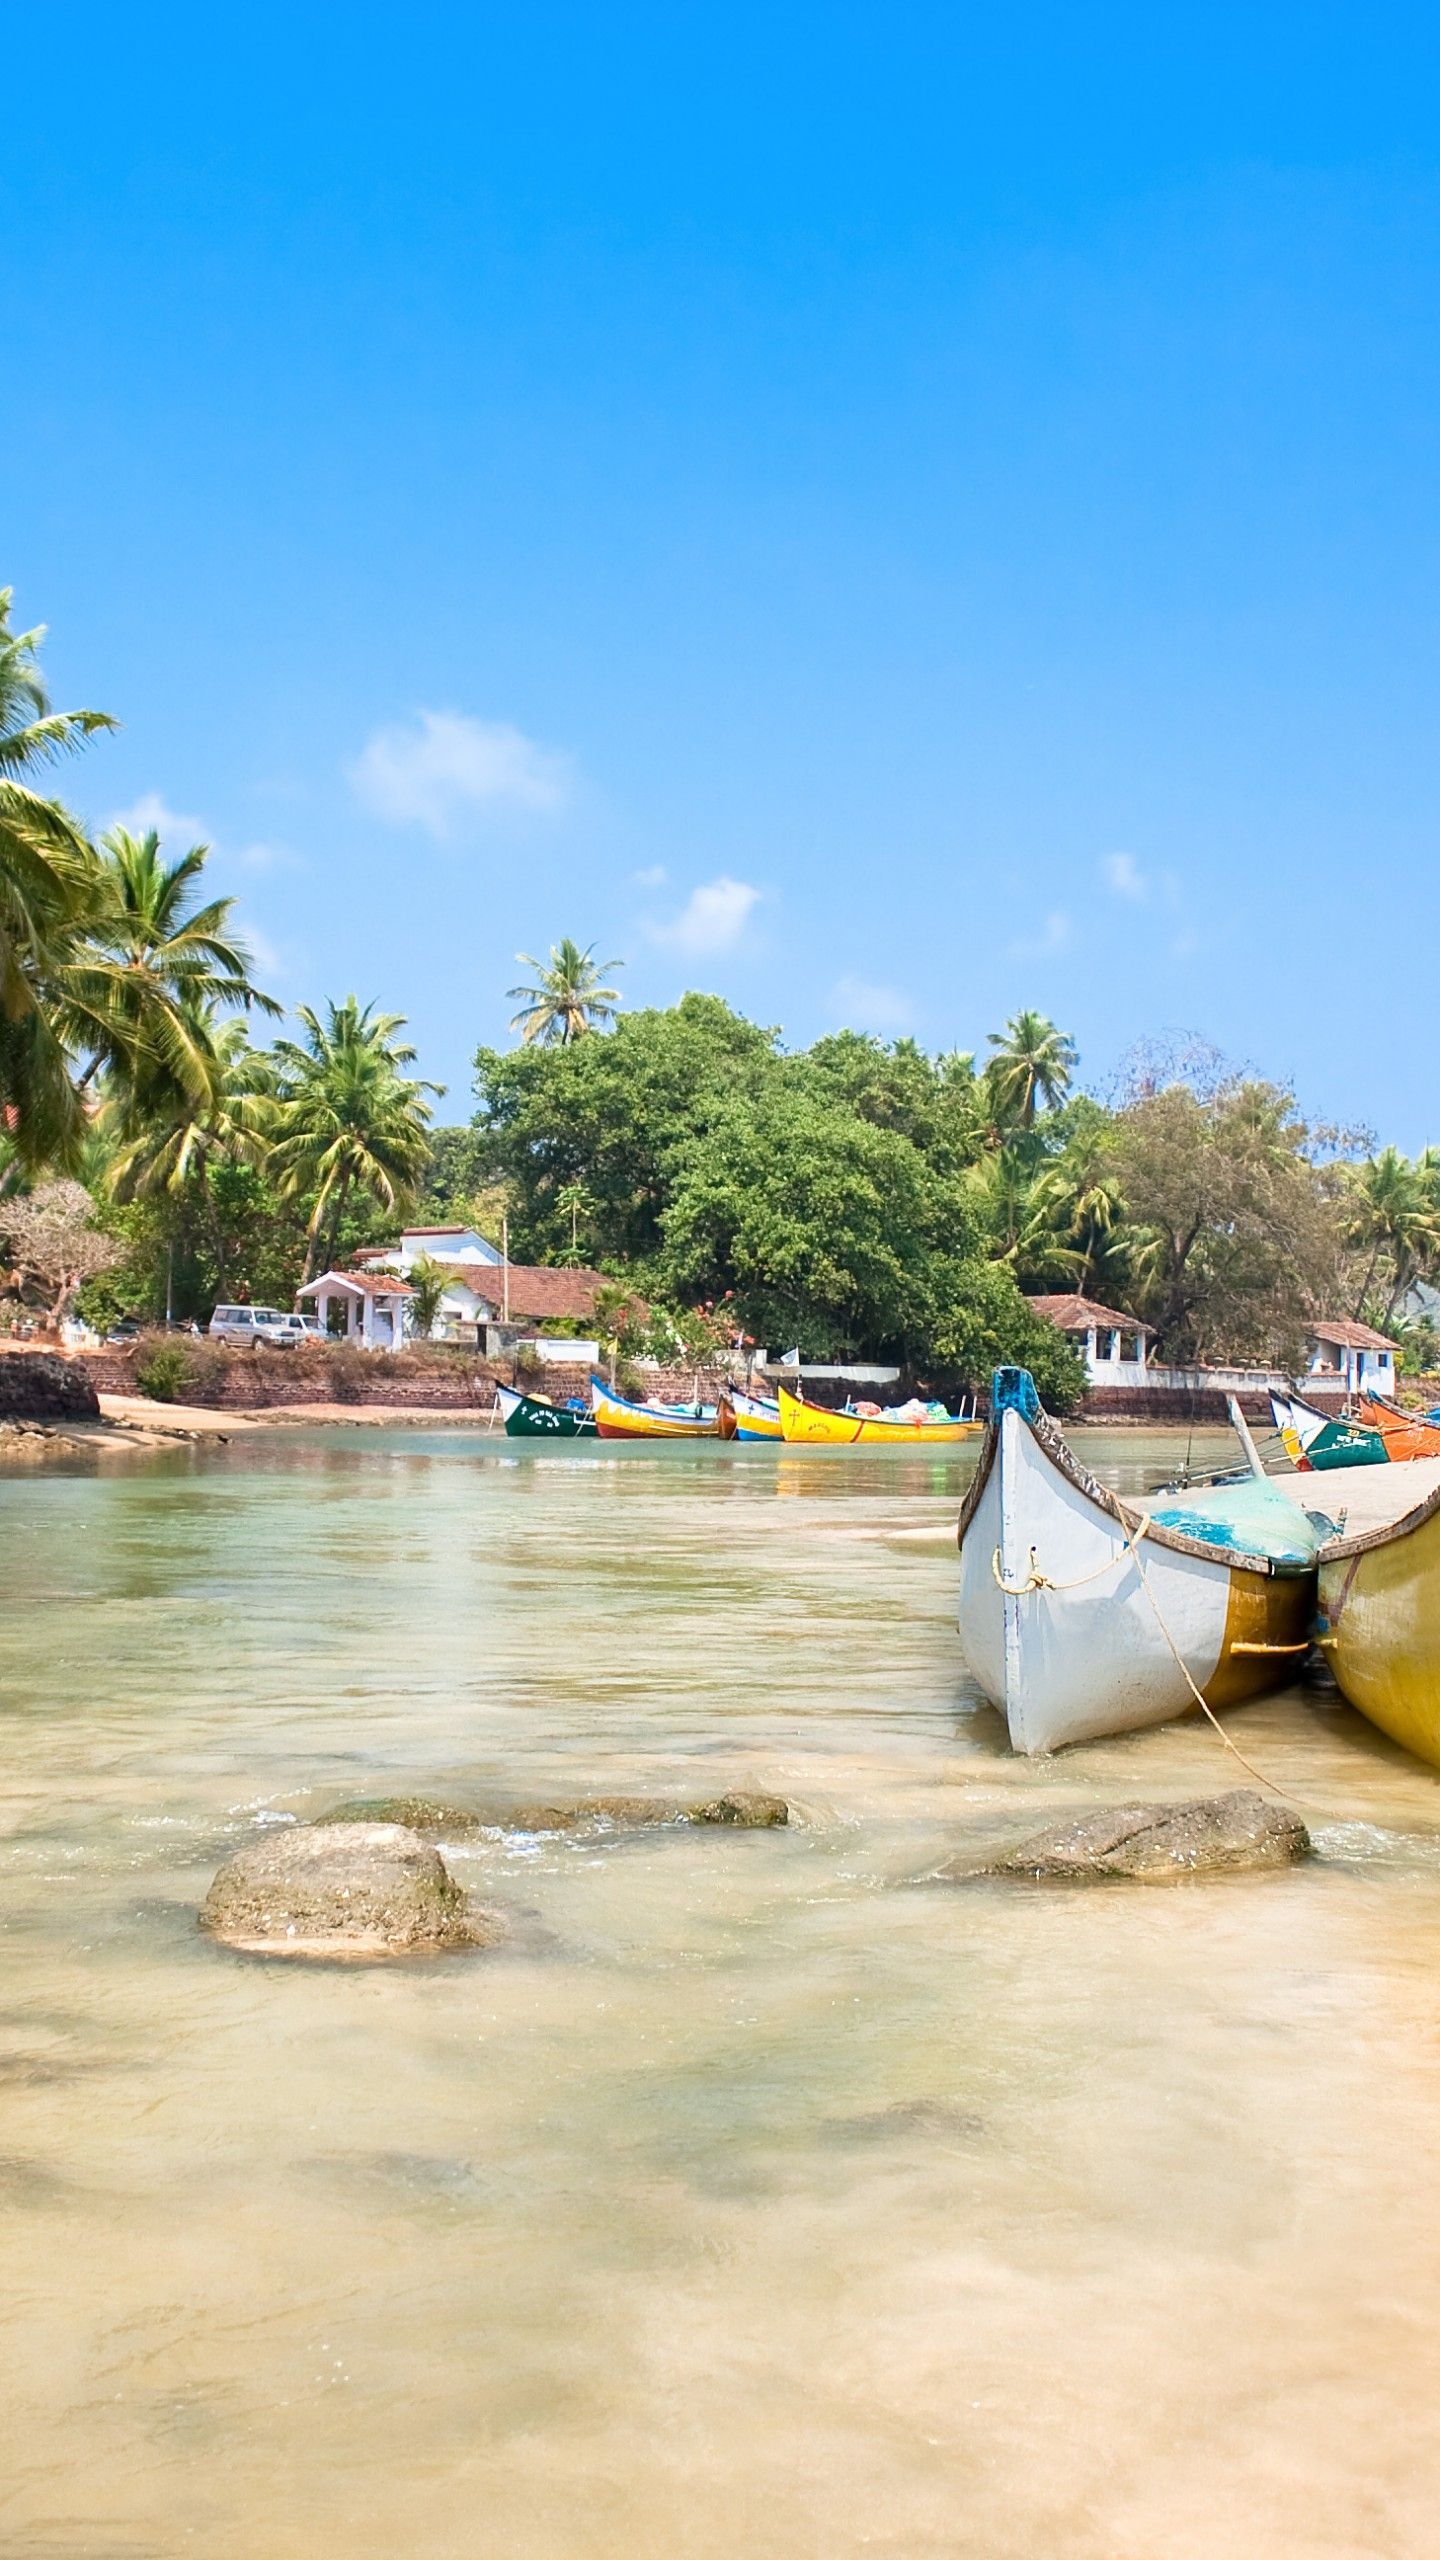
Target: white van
(257, 1324)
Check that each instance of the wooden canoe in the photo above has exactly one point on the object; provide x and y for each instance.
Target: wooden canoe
(536, 1418)
(816, 1426)
(1379, 1623)
(747, 1417)
(1406, 1435)
(1082, 1615)
(616, 1418)
(1315, 1442)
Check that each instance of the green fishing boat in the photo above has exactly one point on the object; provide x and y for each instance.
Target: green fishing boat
(536, 1418)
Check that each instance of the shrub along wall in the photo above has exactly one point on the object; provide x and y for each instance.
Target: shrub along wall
(436, 1377)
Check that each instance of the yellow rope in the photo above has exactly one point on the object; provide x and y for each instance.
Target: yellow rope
(1037, 1581)
(1201, 1701)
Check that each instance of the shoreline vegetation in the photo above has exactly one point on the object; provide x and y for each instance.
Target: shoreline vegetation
(856, 1199)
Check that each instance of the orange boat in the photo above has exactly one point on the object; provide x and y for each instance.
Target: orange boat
(1406, 1435)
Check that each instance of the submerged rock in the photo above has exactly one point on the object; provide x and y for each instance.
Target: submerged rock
(432, 1820)
(747, 1812)
(621, 1813)
(342, 1890)
(1159, 1843)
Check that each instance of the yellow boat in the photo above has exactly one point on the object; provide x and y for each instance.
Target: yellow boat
(616, 1418)
(1379, 1622)
(816, 1426)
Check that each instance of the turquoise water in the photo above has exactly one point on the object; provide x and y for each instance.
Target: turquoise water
(758, 2197)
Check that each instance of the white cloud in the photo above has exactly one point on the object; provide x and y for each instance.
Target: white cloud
(711, 920)
(176, 832)
(1054, 935)
(266, 857)
(429, 771)
(654, 878)
(1124, 876)
(865, 1007)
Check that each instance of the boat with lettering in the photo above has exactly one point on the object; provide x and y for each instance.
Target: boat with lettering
(817, 1425)
(744, 1416)
(619, 1418)
(1082, 1615)
(528, 1417)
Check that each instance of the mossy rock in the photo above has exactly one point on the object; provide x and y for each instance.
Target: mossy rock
(342, 1891)
(1157, 1843)
(434, 1821)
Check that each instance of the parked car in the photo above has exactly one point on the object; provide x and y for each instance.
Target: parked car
(303, 1328)
(256, 1325)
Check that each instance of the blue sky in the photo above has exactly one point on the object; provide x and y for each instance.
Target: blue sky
(889, 515)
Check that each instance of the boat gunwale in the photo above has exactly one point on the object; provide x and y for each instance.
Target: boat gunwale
(1365, 1541)
(1057, 1449)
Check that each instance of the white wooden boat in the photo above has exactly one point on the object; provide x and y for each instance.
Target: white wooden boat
(1082, 1615)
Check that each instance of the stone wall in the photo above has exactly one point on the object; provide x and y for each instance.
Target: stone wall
(40, 1386)
(431, 1378)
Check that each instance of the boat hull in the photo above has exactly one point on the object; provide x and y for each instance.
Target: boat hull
(815, 1426)
(1406, 1435)
(1379, 1626)
(751, 1417)
(617, 1419)
(1316, 1442)
(535, 1418)
(1072, 1615)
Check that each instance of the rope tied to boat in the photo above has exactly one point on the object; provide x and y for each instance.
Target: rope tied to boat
(1035, 1580)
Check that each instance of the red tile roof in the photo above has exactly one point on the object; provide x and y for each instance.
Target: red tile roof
(1351, 1337)
(1076, 1315)
(371, 1284)
(535, 1292)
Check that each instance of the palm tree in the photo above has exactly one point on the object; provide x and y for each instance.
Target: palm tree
(165, 1133)
(347, 1121)
(1032, 1066)
(143, 990)
(575, 1202)
(50, 889)
(567, 997)
(1393, 1215)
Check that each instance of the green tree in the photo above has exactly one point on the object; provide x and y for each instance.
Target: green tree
(1245, 1228)
(611, 1114)
(1392, 1216)
(1030, 1070)
(50, 892)
(155, 972)
(568, 996)
(824, 1230)
(429, 1280)
(347, 1120)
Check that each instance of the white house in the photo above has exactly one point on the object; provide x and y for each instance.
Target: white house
(1115, 1348)
(373, 1303)
(1350, 1359)
(489, 1301)
(432, 1244)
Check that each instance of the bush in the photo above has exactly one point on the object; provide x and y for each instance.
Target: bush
(347, 1370)
(162, 1372)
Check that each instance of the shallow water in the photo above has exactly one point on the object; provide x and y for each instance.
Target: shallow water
(759, 2200)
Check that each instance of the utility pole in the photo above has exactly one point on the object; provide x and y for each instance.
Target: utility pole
(505, 1264)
